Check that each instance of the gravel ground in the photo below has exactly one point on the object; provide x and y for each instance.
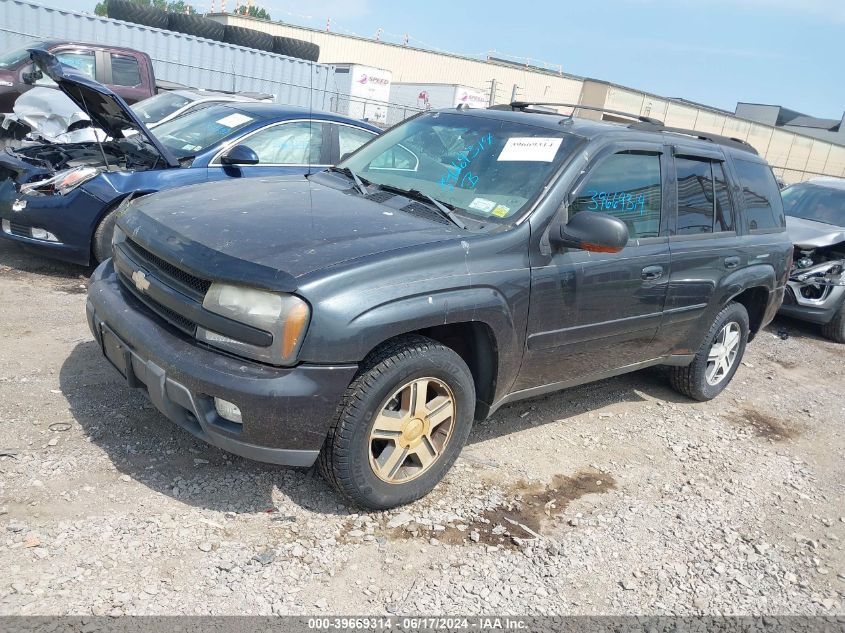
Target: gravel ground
(613, 498)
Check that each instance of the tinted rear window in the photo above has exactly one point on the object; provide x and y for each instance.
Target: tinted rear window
(763, 204)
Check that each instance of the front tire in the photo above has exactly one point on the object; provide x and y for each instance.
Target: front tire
(101, 242)
(401, 424)
(835, 330)
(717, 359)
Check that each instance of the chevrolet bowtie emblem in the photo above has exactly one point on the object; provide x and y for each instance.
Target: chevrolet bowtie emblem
(140, 279)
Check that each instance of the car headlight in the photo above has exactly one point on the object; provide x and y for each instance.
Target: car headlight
(283, 315)
(61, 182)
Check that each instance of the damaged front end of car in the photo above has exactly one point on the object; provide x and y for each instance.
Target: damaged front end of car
(817, 279)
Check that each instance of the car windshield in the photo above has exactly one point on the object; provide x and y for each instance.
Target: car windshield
(812, 202)
(155, 108)
(13, 58)
(484, 167)
(195, 132)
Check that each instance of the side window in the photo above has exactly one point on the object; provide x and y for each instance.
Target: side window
(288, 144)
(351, 138)
(695, 196)
(724, 208)
(763, 203)
(83, 61)
(626, 185)
(125, 70)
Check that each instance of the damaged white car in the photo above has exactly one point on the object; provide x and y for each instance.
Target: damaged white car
(47, 115)
(815, 221)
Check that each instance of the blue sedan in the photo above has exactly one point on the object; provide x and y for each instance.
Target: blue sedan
(63, 199)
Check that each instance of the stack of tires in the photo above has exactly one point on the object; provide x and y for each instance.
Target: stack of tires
(199, 26)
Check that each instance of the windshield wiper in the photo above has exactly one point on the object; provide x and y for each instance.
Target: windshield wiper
(444, 209)
(359, 182)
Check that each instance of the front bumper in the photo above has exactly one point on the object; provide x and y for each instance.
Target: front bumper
(819, 311)
(286, 411)
(71, 218)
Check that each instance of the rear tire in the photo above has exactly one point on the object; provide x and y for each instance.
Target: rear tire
(706, 377)
(249, 38)
(835, 330)
(295, 48)
(101, 241)
(196, 25)
(388, 445)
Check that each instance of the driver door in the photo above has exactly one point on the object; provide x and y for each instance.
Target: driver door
(595, 312)
(290, 147)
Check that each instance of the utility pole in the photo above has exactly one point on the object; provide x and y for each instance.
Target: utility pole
(515, 93)
(494, 91)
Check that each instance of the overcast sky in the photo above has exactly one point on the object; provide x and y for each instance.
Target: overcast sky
(717, 52)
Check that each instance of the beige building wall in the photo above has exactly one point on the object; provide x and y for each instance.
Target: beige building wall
(794, 157)
(413, 65)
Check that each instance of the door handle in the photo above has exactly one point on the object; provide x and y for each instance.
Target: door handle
(651, 273)
(732, 262)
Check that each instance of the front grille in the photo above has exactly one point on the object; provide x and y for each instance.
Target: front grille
(21, 230)
(167, 271)
(421, 211)
(174, 318)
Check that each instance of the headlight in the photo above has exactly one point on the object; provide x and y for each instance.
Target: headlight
(61, 182)
(284, 316)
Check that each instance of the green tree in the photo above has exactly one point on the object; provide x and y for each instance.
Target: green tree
(174, 7)
(254, 12)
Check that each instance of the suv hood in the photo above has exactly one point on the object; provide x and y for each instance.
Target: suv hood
(105, 108)
(811, 234)
(266, 232)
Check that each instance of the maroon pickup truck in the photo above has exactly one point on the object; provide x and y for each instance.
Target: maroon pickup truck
(125, 71)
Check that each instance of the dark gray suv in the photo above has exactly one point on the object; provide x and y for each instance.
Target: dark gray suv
(364, 316)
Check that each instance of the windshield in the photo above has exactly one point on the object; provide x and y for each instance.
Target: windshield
(155, 108)
(13, 58)
(485, 167)
(811, 202)
(195, 132)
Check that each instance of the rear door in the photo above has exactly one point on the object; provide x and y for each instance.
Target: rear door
(125, 73)
(346, 138)
(704, 244)
(595, 312)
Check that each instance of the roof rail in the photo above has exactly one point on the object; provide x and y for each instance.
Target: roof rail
(728, 141)
(524, 105)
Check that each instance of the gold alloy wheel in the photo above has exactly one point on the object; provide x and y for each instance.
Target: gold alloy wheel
(412, 430)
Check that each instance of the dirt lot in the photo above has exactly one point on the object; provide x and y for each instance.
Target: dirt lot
(618, 497)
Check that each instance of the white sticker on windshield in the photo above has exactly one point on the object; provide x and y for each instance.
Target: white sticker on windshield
(531, 148)
(234, 120)
(482, 204)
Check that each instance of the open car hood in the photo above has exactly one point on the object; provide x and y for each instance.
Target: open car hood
(105, 108)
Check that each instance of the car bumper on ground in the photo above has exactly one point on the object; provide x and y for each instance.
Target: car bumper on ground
(286, 412)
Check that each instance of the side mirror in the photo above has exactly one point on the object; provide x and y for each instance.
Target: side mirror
(590, 231)
(345, 156)
(240, 155)
(32, 77)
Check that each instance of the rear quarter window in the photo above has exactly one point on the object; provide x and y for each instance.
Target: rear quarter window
(761, 195)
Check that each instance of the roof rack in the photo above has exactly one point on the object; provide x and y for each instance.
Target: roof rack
(525, 105)
(728, 141)
(643, 123)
